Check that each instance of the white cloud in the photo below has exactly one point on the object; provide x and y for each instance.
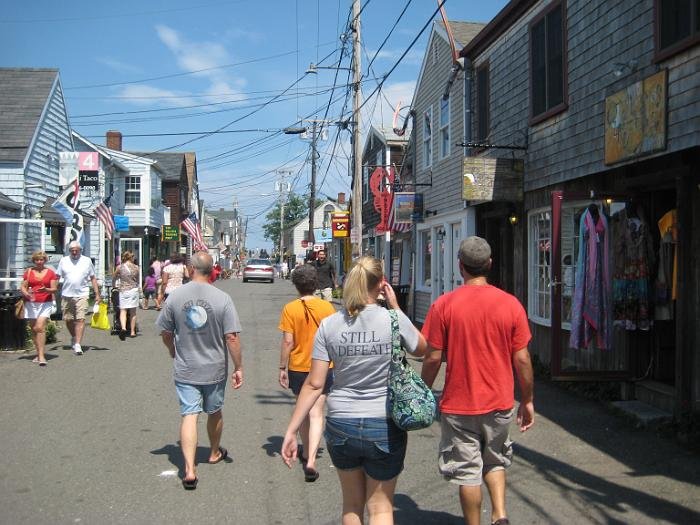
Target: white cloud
(194, 57)
(144, 95)
(121, 67)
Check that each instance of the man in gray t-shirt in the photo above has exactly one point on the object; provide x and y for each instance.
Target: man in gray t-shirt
(200, 327)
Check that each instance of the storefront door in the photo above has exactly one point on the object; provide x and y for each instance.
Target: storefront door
(134, 245)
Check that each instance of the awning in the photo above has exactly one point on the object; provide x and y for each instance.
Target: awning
(7, 203)
(50, 215)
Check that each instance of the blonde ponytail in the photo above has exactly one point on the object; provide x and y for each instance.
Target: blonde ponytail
(365, 274)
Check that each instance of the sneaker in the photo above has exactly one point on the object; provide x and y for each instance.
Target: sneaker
(77, 349)
(72, 342)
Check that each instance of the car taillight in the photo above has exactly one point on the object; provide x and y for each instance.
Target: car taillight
(248, 269)
(266, 269)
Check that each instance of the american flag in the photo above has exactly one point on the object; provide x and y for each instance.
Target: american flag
(104, 214)
(191, 224)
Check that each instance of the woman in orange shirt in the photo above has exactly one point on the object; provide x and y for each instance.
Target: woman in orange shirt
(299, 321)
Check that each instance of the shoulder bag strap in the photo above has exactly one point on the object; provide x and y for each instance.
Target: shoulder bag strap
(397, 353)
(307, 313)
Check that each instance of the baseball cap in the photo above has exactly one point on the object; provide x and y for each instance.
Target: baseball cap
(474, 252)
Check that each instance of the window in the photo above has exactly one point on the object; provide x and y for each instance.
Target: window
(444, 128)
(428, 138)
(547, 63)
(677, 25)
(328, 210)
(365, 183)
(424, 259)
(132, 191)
(482, 103)
(539, 267)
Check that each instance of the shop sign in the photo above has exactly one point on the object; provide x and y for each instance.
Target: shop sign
(67, 167)
(322, 235)
(635, 119)
(340, 225)
(121, 223)
(318, 247)
(492, 179)
(408, 207)
(380, 184)
(169, 233)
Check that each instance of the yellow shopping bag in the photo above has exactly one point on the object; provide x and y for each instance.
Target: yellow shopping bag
(100, 320)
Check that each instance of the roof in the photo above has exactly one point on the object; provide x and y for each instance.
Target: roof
(463, 32)
(7, 203)
(169, 163)
(23, 96)
(389, 136)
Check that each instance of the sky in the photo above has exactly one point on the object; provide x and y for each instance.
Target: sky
(223, 79)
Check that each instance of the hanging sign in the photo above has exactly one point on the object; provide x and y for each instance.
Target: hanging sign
(340, 225)
(169, 233)
(323, 235)
(408, 207)
(319, 247)
(380, 183)
(121, 223)
(490, 179)
(67, 167)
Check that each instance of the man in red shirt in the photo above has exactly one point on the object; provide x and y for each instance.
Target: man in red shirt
(484, 333)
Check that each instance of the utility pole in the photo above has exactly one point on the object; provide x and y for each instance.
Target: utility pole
(312, 197)
(282, 188)
(356, 152)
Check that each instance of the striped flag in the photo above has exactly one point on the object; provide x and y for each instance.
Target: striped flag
(103, 211)
(68, 205)
(191, 225)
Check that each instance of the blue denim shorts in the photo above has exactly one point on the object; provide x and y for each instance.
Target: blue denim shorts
(376, 445)
(200, 398)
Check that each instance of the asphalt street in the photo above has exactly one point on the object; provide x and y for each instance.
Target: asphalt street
(94, 440)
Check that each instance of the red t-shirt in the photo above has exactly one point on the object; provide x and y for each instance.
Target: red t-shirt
(34, 283)
(479, 328)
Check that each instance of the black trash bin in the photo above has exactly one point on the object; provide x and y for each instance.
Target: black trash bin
(13, 333)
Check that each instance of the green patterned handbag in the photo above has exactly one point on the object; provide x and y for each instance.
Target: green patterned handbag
(411, 403)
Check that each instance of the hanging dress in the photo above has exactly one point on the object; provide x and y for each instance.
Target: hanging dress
(590, 315)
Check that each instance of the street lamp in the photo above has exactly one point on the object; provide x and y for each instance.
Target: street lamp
(313, 68)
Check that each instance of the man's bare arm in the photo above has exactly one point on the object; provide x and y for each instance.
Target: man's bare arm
(233, 343)
(169, 342)
(523, 369)
(431, 365)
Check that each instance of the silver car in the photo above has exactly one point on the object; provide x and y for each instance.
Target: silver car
(261, 269)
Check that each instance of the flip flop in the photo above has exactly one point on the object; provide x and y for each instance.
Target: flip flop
(310, 474)
(42, 363)
(190, 484)
(223, 455)
(35, 360)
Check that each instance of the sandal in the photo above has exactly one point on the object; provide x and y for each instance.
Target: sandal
(190, 484)
(223, 454)
(310, 474)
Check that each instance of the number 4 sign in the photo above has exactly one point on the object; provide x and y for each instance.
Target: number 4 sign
(87, 161)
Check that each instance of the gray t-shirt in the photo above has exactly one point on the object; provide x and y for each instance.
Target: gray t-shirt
(360, 349)
(199, 315)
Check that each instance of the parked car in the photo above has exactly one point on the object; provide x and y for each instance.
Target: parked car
(260, 269)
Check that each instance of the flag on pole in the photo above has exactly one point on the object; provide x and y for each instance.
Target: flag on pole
(68, 205)
(103, 211)
(191, 225)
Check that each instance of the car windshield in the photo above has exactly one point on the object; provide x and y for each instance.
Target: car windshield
(263, 262)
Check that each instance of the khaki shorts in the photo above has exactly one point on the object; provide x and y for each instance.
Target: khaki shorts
(472, 446)
(74, 308)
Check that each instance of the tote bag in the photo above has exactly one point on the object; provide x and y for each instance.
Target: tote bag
(411, 403)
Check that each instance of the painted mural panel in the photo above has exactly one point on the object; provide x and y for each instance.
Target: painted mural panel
(635, 119)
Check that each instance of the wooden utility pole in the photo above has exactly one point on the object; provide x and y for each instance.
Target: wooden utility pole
(356, 151)
(312, 189)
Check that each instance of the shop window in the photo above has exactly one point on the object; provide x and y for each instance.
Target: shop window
(423, 260)
(677, 25)
(428, 138)
(548, 63)
(444, 127)
(132, 191)
(482, 103)
(540, 254)
(54, 239)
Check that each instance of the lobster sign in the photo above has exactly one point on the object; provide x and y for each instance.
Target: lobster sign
(380, 183)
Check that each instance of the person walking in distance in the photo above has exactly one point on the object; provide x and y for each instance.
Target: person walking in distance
(366, 447)
(39, 283)
(200, 328)
(77, 272)
(128, 274)
(484, 333)
(298, 322)
(326, 276)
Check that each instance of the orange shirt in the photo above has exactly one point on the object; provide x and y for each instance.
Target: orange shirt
(302, 323)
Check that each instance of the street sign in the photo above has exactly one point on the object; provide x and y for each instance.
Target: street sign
(354, 236)
(323, 235)
(121, 223)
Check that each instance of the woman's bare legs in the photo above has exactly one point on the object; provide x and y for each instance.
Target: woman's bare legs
(133, 321)
(39, 337)
(380, 501)
(122, 319)
(353, 485)
(314, 431)
(359, 490)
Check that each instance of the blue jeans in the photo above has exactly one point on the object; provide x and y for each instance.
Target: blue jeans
(376, 445)
(200, 398)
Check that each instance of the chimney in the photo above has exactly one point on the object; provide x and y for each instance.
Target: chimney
(341, 198)
(114, 140)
